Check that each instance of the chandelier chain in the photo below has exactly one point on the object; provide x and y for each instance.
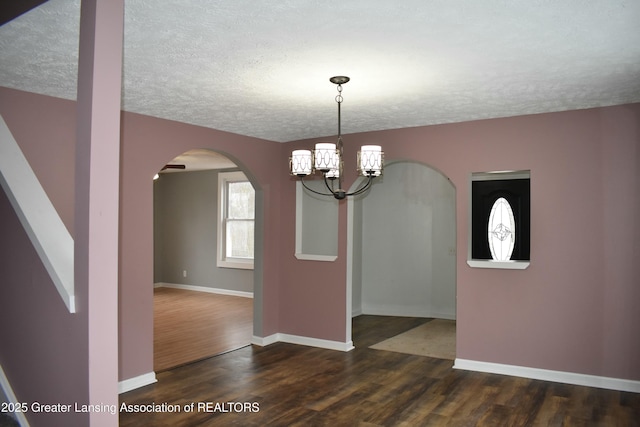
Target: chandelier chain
(339, 95)
(339, 100)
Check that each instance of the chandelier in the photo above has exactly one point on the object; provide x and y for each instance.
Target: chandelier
(327, 159)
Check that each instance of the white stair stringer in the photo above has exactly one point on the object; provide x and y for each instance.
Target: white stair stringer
(38, 216)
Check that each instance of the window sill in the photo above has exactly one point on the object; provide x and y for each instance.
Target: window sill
(247, 265)
(310, 257)
(505, 265)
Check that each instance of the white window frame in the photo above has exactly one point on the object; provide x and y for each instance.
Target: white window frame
(222, 260)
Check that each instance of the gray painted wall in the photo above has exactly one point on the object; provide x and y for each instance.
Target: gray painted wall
(404, 245)
(185, 233)
(318, 217)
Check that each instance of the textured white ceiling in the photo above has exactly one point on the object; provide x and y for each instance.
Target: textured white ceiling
(261, 68)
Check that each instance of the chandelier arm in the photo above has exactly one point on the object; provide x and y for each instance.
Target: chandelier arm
(314, 191)
(364, 188)
(326, 183)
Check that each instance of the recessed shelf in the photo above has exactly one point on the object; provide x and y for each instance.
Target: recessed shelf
(506, 265)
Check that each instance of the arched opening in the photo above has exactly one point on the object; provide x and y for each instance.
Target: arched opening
(203, 299)
(402, 245)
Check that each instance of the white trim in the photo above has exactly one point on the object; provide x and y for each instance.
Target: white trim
(136, 382)
(311, 257)
(221, 259)
(547, 375)
(499, 175)
(204, 289)
(48, 234)
(11, 397)
(507, 265)
(296, 339)
(264, 341)
(299, 212)
(237, 263)
(349, 278)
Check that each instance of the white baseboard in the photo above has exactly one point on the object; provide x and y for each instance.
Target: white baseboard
(11, 398)
(136, 382)
(402, 311)
(547, 375)
(310, 342)
(264, 341)
(207, 289)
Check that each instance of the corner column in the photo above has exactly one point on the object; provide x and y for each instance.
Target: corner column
(97, 195)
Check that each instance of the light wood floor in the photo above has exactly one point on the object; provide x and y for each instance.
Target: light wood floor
(191, 325)
(303, 386)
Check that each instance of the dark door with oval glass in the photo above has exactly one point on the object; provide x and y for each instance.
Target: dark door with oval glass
(500, 220)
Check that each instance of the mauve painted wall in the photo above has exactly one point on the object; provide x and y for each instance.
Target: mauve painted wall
(44, 127)
(44, 348)
(575, 308)
(620, 128)
(147, 145)
(313, 293)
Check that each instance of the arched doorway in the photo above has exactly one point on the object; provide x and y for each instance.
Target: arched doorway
(402, 245)
(202, 306)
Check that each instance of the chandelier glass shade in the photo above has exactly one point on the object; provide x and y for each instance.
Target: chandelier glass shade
(327, 158)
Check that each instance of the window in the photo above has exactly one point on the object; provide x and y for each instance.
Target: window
(236, 219)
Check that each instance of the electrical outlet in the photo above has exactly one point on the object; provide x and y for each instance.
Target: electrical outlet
(184, 273)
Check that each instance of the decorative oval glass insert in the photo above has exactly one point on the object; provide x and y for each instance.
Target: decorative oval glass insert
(501, 230)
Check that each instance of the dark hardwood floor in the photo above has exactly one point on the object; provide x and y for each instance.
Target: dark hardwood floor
(290, 385)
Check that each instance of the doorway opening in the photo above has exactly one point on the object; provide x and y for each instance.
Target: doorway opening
(202, 306)
(401, 249)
